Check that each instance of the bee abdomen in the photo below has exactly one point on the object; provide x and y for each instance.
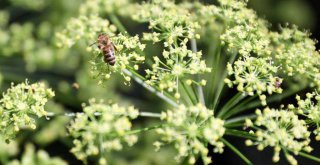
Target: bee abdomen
(110, 58)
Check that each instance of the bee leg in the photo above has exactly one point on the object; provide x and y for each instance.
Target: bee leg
(92, 44)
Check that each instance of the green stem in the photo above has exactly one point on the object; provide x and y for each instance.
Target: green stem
(311, 157)
(215, 53)
(189, 93)
(221, 83)
(150, 88)
(114, 19)
(238, 119)
(233, 101)
(236, 151)
(200, 90)
(238, 133)
(247, 104)
(144, 129)
(237, 109)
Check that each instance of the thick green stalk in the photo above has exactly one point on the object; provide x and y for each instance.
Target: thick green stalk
(215, 76)
(236, 151)
(199, 89)
(144, 129)
(233, 101)
(114, 19)
(239, 119)
(221, 82)
(189, 92)
(238, 133)
(236, 110)
(308, 156)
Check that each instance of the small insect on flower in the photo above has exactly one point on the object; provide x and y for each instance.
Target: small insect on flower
(107, 47)
(277, 83)
(75, 85)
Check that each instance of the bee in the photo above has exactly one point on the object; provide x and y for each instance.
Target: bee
(108, 49)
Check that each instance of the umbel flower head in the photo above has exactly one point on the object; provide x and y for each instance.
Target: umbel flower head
(190, 129)
(83, 28)
(178, 64)
(296, 54)
(310, 108)
(87, 28)
(128, 56)
(245, 33)
(254, 76)
(20, 106)
(159, 15)
(177, 61)
(282, 130)
(101, 129)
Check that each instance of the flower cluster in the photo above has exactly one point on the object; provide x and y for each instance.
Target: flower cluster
(30, 156)
(83, 28)
(254, 75)
(310, 108)
(245, 32)
(20, 106)
(179, 64)
(190, 129)
(128, 56)
(101, 129)
(166, 27)
(29, 41)
(282, 130)
(18, 38)
(101, 6)
(296, 53)
(177, 61)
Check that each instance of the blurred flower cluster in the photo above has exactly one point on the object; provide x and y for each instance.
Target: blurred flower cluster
(177, 61)
(21, 105)
(85, 28)
(100, 129)
(30, 156)
(190, 129)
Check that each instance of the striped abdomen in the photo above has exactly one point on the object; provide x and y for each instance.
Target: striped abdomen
(109, 56)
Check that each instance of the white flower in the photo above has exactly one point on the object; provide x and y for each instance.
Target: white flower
(101, 129)
(190, 129)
